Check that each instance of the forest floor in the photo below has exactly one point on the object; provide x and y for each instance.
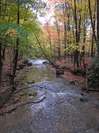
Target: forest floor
(78, 80)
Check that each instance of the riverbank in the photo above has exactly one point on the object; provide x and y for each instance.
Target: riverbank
(20, 97)
(59, 109)
(78, 80)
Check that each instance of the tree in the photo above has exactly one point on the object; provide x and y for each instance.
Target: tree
(17, 44)
(14, 30)
(98, 27)
(0, 48)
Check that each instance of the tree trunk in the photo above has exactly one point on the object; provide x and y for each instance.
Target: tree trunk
(59, 52)
(0, 50)
(76, 52)
(43, 51)
(4, 52)
(65, 35)
(64, 40)
(92, 47)
(0, 63)
(50, 45)
(98, 27)
(16, 56)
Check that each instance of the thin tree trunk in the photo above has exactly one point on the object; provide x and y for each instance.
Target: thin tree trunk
(0, 63)
(92, 25)
(76, 52)
(92, 47)
(98, 27)
(0, 50)
(59, 52)
(64, 40)
(4, 52)
(65, 35)
(43, 51)
(16, 56)
(50, 45)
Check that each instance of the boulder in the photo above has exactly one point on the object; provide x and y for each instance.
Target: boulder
(29, 63)
(25, 61)
(71, 82)
(20, 66)
(84, 99)
(59, 72)
(46, 62)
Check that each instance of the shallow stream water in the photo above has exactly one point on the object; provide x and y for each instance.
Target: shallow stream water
(60, 112)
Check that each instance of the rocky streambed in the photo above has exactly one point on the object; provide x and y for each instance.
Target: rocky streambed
(50, 105)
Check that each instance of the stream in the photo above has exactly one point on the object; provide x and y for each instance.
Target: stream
(59, 111)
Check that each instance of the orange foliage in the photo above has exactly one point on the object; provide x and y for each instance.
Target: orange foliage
(11, 33)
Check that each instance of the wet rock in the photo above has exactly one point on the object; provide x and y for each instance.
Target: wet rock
(29, 63)
(5, 95)
(16, 100)
(22, 93)
(85, 88)
(71, 82)
(13, 107)
(84, 99)
(20, 66)
(31, 82)
(59, 72)
(82, 94)
(20, 87)
(25, 61)
(46, 62)
(33, 93)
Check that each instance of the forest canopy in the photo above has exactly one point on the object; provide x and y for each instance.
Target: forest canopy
(70, 32)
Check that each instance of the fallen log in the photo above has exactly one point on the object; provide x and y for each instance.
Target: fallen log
(89, 89)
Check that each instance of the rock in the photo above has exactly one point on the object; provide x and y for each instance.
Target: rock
(59, 72)
(25, 61)
(84, 99)
(31, 82)
(16, 100)
(82, 94)
(29, 63)
(33, 93)
(20, 66)
(85, 88)
(5, 95)
(22, 93)
(72, 82)
(46, 62)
